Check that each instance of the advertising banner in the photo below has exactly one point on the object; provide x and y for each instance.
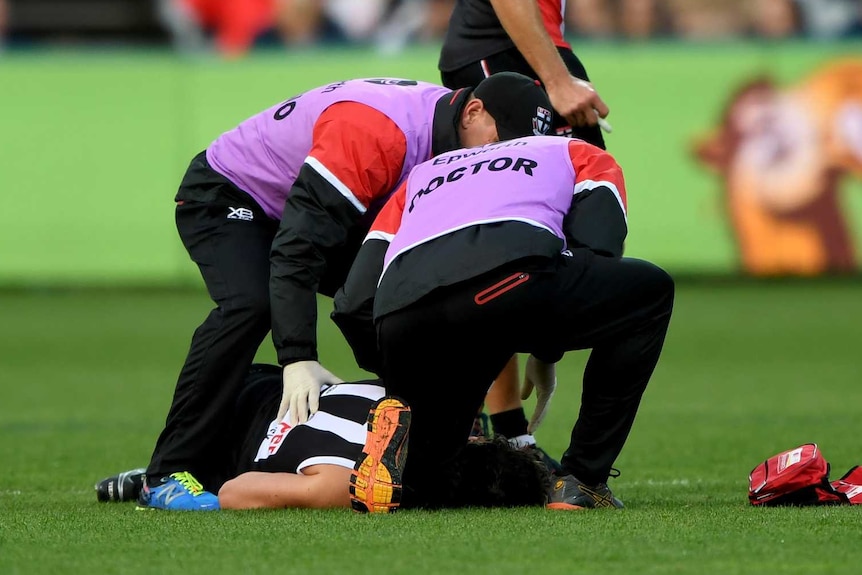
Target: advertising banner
(739, 158)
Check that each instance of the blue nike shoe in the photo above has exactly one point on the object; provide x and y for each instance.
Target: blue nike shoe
(178, 492)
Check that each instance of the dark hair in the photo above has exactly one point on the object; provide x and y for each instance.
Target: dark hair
(491, 473)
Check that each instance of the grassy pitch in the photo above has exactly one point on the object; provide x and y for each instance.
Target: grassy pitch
(748, 370)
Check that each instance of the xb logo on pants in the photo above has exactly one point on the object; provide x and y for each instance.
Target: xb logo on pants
(240, 214)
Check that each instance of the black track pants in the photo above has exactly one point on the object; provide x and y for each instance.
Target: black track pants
(229, 237)
(442, 353)
(512, 61)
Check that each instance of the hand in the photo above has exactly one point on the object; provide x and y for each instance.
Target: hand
(578, 102)
(302, 381)
(543, 377)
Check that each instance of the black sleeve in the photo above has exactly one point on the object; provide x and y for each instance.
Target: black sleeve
(596, 221)
(353, 310)
(316, 229)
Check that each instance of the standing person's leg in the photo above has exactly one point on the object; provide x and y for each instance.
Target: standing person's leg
(229, 241)
(503, 401)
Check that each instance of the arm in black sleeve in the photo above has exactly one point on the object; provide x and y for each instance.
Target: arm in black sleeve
(596, 221)
(353, 311)
(315, 227)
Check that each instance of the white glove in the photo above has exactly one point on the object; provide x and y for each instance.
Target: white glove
(301, 396)
(542, 376)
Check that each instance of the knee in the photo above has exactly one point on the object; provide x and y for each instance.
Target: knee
(252, 309)
(660, 286)
(666, 285)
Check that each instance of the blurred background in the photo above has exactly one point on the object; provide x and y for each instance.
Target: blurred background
(738, 123)
(235, 26)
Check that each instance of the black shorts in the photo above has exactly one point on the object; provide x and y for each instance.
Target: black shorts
(256, 407)
(512, 61)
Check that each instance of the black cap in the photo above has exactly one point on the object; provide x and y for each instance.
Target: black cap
(518, 104)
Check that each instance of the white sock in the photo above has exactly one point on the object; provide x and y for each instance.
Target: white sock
(522, 441)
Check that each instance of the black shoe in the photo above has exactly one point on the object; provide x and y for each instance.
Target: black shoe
(568, 493)
(123, 487)
(552, 464)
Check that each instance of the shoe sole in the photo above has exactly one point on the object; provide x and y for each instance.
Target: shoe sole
(375, 484)
(161, 509)
(560, 506)
(564, 507)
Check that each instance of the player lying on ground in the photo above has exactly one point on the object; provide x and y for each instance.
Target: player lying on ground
(272, 464)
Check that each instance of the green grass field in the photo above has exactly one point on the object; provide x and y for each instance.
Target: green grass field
(748, 370)
(93, 145)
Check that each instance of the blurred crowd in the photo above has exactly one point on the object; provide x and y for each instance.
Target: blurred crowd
(392, 23)
(234, 26)
(714, 19)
